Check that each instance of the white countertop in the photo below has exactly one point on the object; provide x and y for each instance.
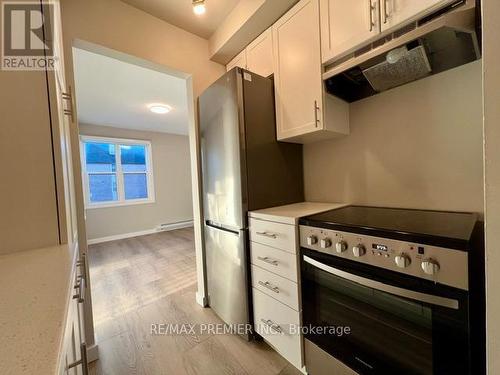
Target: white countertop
(291, 213)
(35, 288)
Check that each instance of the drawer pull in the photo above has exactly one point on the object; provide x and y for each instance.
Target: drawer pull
(275, 327)
(268, 285)
(267, 234)
(268, 260)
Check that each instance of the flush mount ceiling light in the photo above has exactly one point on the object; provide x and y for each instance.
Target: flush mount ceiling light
(199, 7)
(159, 108)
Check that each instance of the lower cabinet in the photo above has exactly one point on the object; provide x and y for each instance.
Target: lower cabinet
(73, 359)
(275, 287)
(278, 325)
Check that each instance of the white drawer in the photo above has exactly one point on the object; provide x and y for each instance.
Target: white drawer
(277, 261)
(280, 236)
(269, 312)
(278, 287)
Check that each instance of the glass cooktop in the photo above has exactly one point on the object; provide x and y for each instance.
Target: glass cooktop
(445, 229)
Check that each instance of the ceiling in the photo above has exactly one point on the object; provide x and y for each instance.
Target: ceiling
(180, 13)
(114, 93)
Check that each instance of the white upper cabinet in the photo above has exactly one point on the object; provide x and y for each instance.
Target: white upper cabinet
(347, 25)
(239, 60)
(298, 70)
(395, 13)
(301, 105)
(260, 54)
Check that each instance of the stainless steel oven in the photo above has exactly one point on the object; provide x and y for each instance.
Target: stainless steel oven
(391, 306)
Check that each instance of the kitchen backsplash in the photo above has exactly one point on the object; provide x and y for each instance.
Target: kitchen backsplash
(417, 146)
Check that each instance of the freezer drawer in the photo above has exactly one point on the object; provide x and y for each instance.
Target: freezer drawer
(226, 260)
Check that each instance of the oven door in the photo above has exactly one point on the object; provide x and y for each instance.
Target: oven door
(386, 322)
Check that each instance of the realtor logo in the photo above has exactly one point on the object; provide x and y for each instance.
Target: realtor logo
(27, 35)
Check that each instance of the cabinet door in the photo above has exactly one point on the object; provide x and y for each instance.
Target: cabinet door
(240, 60)
(347, 25)
(260, 54)
(396, 13)
(61, 100)
(298, 83)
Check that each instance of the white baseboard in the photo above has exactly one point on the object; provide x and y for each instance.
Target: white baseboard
(165, 228)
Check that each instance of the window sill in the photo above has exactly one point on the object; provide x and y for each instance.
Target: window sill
(91, 206)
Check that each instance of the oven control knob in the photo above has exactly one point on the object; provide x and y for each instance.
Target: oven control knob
(359, 250)
(402, 260)
(430, 266)
(325, 243)
(312, 240)
(341, 246)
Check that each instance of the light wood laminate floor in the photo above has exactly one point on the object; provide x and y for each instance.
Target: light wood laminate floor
(152, 279)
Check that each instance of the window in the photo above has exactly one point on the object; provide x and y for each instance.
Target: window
(116, 171)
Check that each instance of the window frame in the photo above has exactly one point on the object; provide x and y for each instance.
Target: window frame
(120, 184)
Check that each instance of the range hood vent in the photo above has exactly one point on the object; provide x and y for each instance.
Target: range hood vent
(443, 40)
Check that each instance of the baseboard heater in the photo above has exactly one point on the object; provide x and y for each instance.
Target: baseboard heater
(171, 226)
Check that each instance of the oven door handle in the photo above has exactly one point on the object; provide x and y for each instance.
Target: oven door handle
(422, 297)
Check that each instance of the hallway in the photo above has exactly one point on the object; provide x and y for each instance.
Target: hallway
(152, 279)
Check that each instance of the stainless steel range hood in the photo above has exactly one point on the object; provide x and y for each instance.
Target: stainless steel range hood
(443, 40)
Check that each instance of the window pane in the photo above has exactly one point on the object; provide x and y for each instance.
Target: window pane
(100, 157)
(136, 186)
(133, 158)
(103, 187)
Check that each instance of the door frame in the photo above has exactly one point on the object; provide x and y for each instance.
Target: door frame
(194, 146)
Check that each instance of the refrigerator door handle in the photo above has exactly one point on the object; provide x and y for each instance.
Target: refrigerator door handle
(217, 226)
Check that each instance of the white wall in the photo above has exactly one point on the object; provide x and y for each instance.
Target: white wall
(417, 146)
(172, 185)
(491, 67)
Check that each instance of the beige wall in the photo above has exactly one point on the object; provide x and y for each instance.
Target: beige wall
(27, 186)
(417, 146)
(172, 184)
(116, 25)
(491, 67)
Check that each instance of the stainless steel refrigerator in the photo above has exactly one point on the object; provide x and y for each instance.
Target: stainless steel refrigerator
(244, 168)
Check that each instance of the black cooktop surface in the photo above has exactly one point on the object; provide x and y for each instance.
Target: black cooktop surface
(446, 229)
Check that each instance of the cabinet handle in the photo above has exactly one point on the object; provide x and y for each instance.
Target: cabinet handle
(268, 260)
(81, 291)
(68, 96)
(316, 109)
(386, 15)
(268, 285)
(267, 234)
(82, 361)
(272, 325)
(371, 8)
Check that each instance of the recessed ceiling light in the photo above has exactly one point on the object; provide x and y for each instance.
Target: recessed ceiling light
(159, 108)
(199, 7)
